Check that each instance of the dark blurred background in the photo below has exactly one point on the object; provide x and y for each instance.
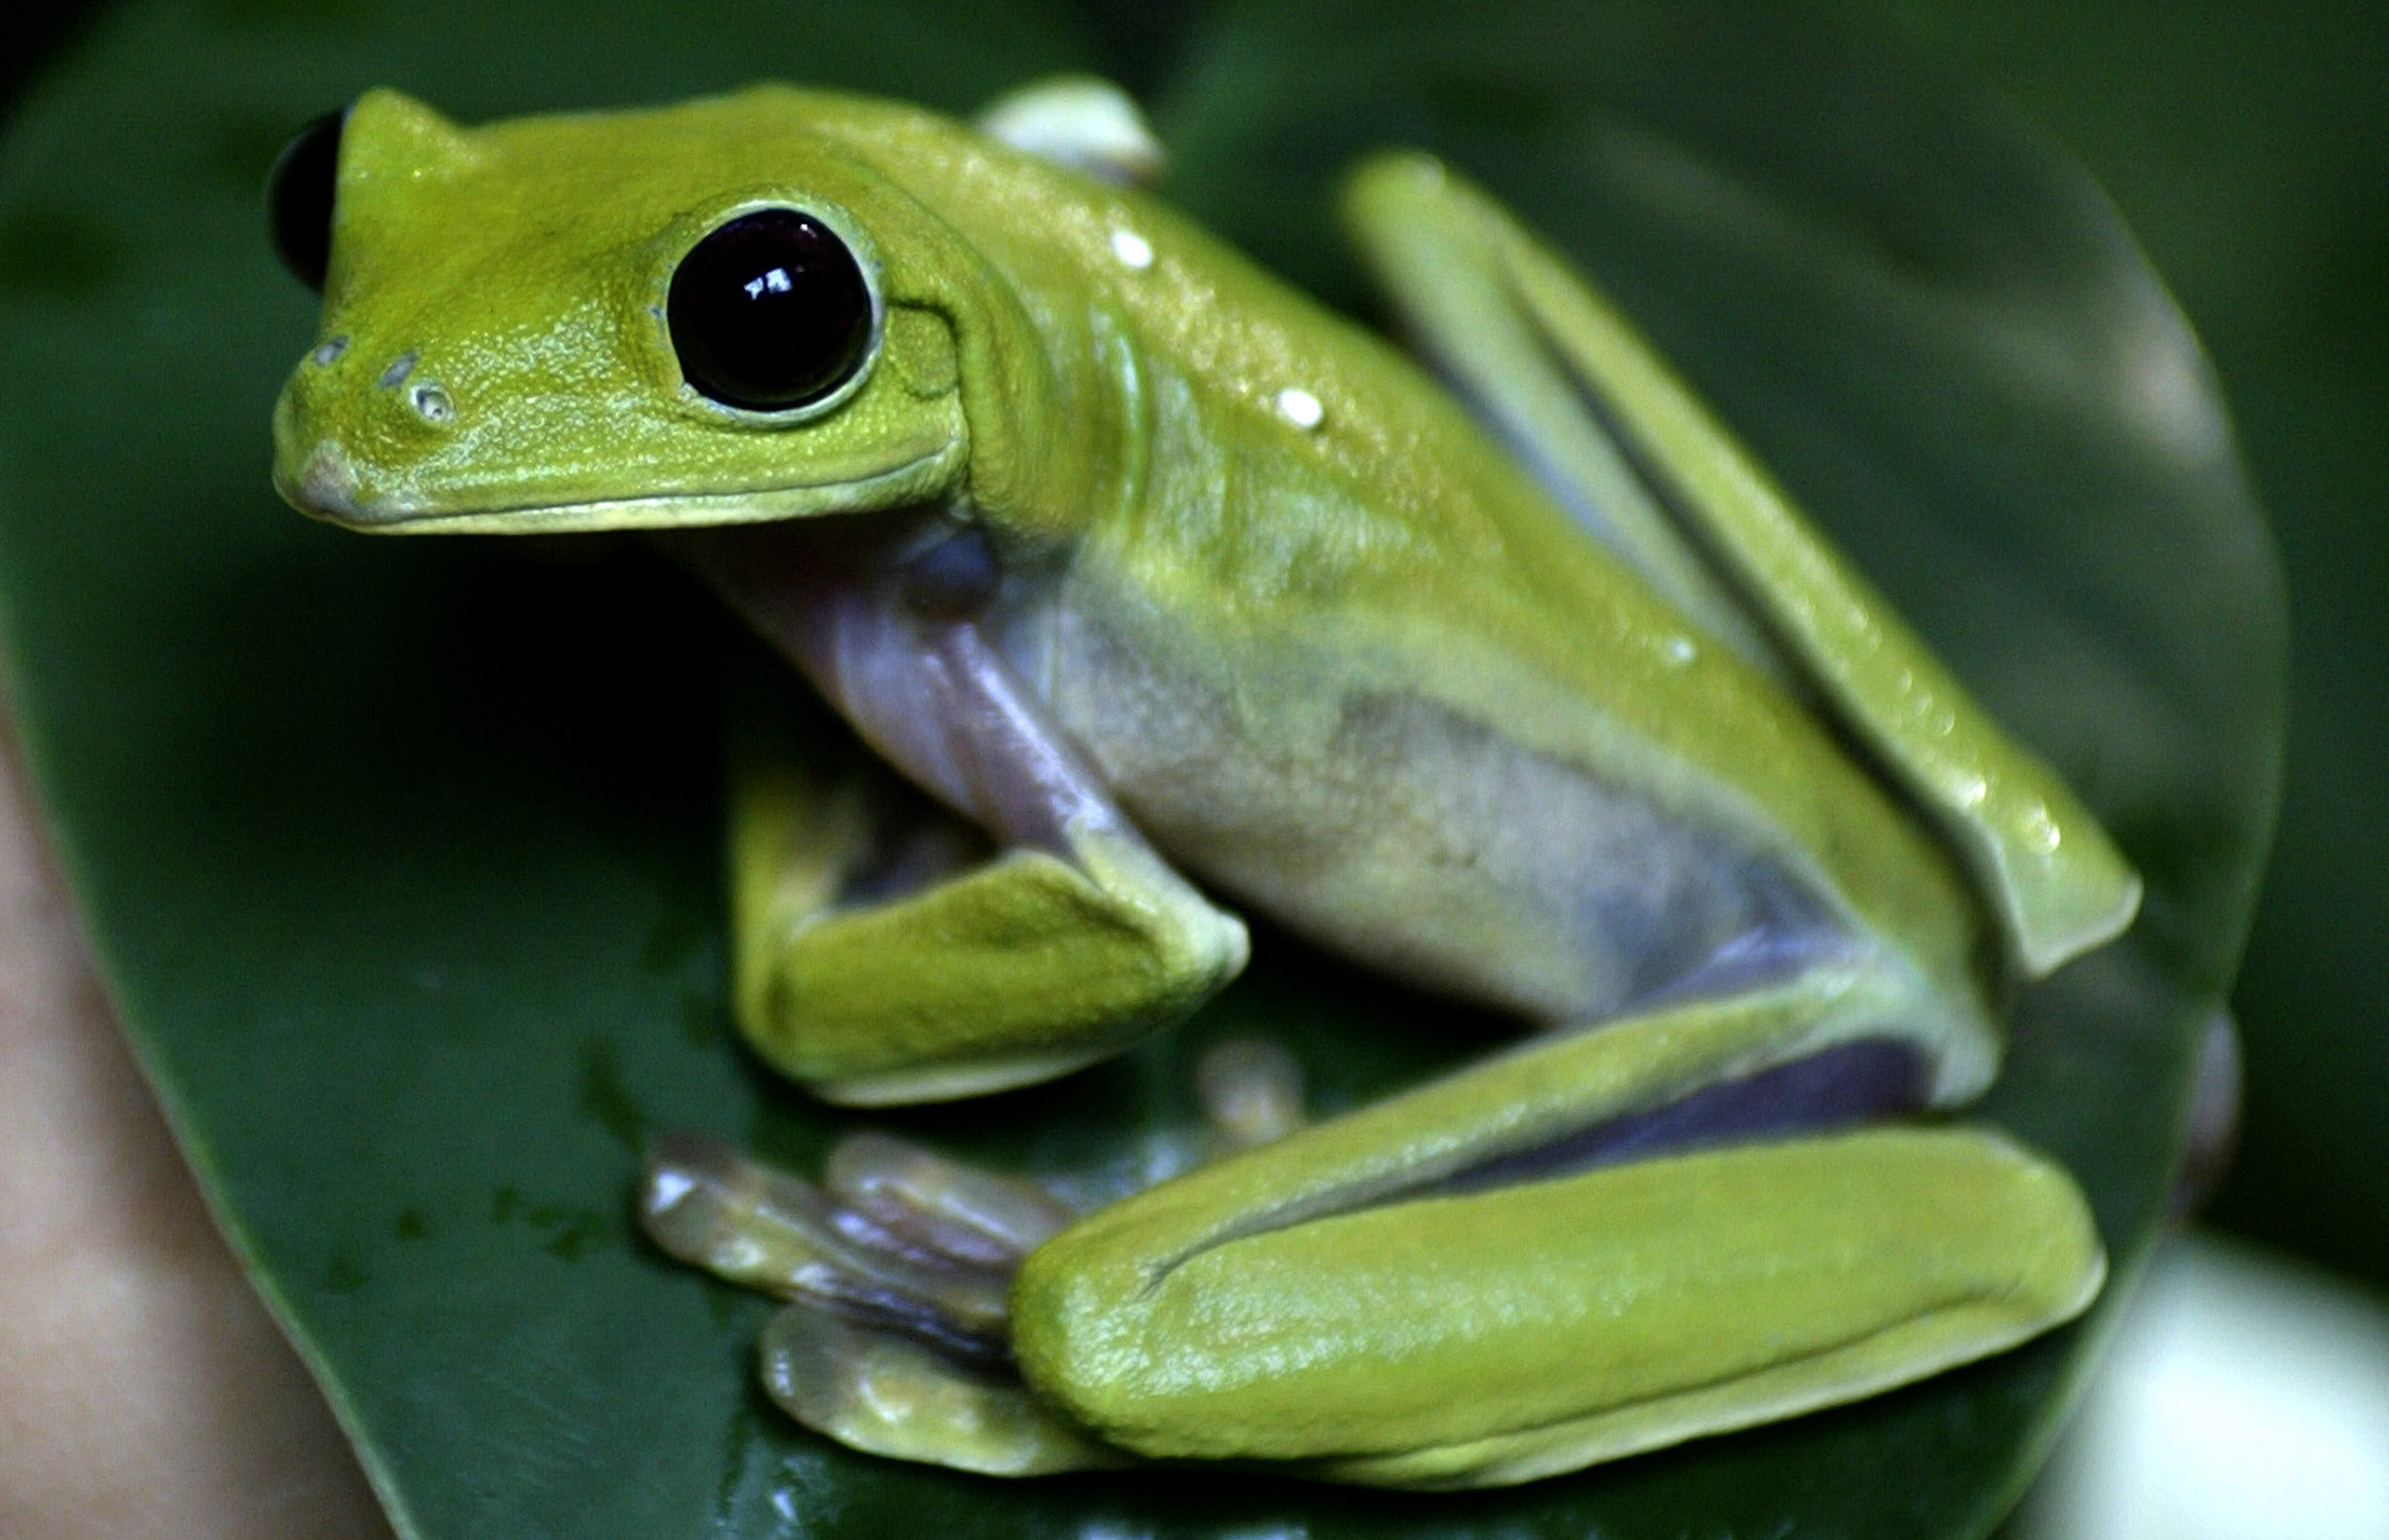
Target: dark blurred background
(2249, 146)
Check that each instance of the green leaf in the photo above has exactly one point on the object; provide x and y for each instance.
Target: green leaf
(400, 856)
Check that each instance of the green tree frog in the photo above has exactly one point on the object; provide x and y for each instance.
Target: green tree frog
(1171, 590)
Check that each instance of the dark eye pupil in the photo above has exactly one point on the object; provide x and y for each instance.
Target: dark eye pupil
(769, 312)
(298, 199)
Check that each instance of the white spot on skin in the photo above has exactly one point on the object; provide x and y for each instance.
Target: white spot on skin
(329, 352)
(1300, 408)
(1678, 649)
(1133, 250)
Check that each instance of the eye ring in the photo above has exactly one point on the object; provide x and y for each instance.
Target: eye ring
(300, 191)
(772, 312)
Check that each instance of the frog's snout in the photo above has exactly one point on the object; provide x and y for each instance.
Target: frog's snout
(346, 420)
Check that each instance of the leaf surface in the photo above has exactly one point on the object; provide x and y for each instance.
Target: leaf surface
(400, 856)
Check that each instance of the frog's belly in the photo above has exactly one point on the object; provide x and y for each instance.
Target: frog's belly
(1401, 832)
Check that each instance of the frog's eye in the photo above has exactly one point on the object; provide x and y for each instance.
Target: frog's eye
(298, 199)
(770, 312)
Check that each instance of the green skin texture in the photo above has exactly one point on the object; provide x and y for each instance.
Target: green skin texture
(1279, 648)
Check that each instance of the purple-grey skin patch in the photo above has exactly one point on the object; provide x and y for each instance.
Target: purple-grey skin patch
(870, 624)
(1868, 1078)
(954, 579)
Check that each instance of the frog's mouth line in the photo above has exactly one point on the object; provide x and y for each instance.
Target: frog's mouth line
(324, 489)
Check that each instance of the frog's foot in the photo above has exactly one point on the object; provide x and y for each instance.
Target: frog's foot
(897, 1267)
(895, 1339)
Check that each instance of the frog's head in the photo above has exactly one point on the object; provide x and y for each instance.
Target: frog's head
(702, 315)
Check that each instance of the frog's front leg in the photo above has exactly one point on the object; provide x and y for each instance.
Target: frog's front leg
(1073, 940)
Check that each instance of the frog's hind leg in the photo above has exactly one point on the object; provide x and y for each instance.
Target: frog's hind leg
(1601, 1242)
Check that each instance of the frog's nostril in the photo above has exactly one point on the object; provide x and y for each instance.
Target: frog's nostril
(431, 404)
(400, 368)
(329, 353)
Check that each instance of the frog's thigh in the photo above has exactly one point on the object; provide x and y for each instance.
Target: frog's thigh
(979, 974)
(1504, 1335)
